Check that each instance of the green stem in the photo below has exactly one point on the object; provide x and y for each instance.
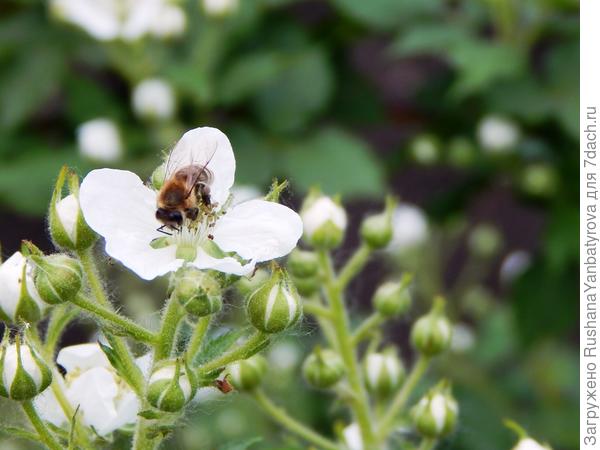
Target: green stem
(354, 265)
(141, 441)
(168, 330)
(197, 338)
(60, 317)
(427, 444)
(387, 423)
(365, 328)
(136, 331)
(341, 326)
(45, 436)
(242, 352)
(314, 308)
(280, 416)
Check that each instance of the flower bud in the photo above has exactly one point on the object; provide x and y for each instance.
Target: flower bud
(198, 292)
(58, 278)
(247, 374)
(539, 180)
(324, 221)
(485, 241)
(247, 285)
(497, 134)
(171, 386)
(153, 99)
(19, 298)
(377, 230)
(526, 443)
(276, 305)
(393, 298)
(323, 368)
(432, 333)
(99, 140)
(307, 286)
(219, 8)
(435, 415)
(67, 225)
(302, 263)
(425, 150)
(384, 372)
(24, 374)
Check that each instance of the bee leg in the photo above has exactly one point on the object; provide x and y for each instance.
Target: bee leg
(205, 194)
(161, 230)
(191, 213)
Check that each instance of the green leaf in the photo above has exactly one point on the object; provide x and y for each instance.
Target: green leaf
(219, 345)
(18, 432)
(335, 161)
(150, 414)
(241, 445)
(387, 13)
(256, 161)
(430, 38)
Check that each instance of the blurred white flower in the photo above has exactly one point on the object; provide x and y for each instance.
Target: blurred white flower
(105, 401)
(129, 20)
(284, 356)
(352, 437)
(324, 220)
(530, 444)
(497, 134)
(410, 228)
(463, 338)
(219, 7)
(153, 98)
(99, 140)
(514, 265)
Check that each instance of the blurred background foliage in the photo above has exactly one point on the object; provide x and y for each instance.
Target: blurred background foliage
(466, 108)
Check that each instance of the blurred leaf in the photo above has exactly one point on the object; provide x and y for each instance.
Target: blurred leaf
(430, 38)
(219, 345)
(562, 245)
(241, 445)
(387, 13)
(337, 162)
(255, 160)
(87, 100)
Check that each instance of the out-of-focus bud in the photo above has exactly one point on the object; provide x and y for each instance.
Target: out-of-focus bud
(198, 291)
(219, 8)
(302, 263)
(307, 286)
(171, 386)
(19, 299)
(485, 241)
(65, 219)
(432, 333)
(247, 285)
(463, 338)
(425, 149)
(99, 140)
(377, 230)
(247, 374)
(497, 134)
(24, 374)
(436, 414)
(323, 368)
(275, 306)
(514, 265)
(153, 98)
(58, 278)
(384, 372)
(530, 444)
(324, 221)
(410, 228)
(393, 298)
(170, 22)
(461, 152)
(539, 180)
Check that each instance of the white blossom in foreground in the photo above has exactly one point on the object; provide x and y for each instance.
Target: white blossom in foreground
(530, 444)
(410, 228)
(105, 401)
(129, 20)
(497, 134)
(232, 239)
(99, 140)
(154, 99)
(219, 7)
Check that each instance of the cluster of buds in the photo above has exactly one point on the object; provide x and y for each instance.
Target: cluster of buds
(199, 292)
(247, 374)
(323, 368)
(435, 415)
(432, 333)
(392, 299)
(384, 372)
(171, 386)
(324, 220)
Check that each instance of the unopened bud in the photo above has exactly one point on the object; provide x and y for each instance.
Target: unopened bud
(24, 374)
(198, 292)
(171, 386)
(530, 444)
(485, 241)
(384, 372)
(432, 333)
(324, 221)
(58, 277)
(323, 368)
(276, 305)
(435, 415)
(393, 298)
(247, 374)
(377, 230)
(425, 149)
(307, 286)
(302, 263)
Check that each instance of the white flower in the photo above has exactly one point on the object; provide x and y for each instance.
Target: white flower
(514, 265)
(18, 301)
(410, 228)
(118, 206)
(153, 98)
(99, 140)
(497, 134)
(321, 211)
(68, 212)
(219, 7)
(352, 437)
(107, 20)
(463, 338)
(530, 444)
(105, 401)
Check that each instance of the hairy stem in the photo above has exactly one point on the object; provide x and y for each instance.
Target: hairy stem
(242, 352)
(366, 327)
(197, 338)
(353, 266)
(168, 330)
(45, 436)
(427, 444)
(60, 317)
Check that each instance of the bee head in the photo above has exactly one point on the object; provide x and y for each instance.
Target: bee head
(170, 217)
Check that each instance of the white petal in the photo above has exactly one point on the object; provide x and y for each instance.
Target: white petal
(11, 273)
(82, 357)
(258, 230)
(139, 18)
(153, 98)
(225, 265)
(353, 437)
(438, 411)
(210, 147)
(68, 212)
(100, 18)
(49, 409)
(171, 21)
(117, 205)
(320, 211)
(410, 227)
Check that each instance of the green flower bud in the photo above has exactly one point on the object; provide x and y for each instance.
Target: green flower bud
(198, 292)
(302, 263)
(324, 221)
(276, 305)
(384, 372)
(323, 368)
(157, 179)
(393, 298)
(377, 231)
(461, 152)
(539, 180)
(307, 286)
(67, 225)
(24, 374)
(19, 298)
(435, 415)
(247, 374)
(247, 285)
(58, 278)
(171, 386)
(485, 241)
(432, 333)
(425, 149)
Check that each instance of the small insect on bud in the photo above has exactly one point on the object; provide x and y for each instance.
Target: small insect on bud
(377, 230)
(247, 374)
(485, 241)
(435, 414)
(276, 305)
(171, 386)
(58, 278)
(323, 368)
(302, 263)
(19, 299)
(393, 298)
(24, 374)
(432, 333)
(324, 221)
(199, 292)
(67, 225)
(384, 372)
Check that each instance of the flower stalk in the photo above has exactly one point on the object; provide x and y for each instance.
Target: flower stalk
(44, 434)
